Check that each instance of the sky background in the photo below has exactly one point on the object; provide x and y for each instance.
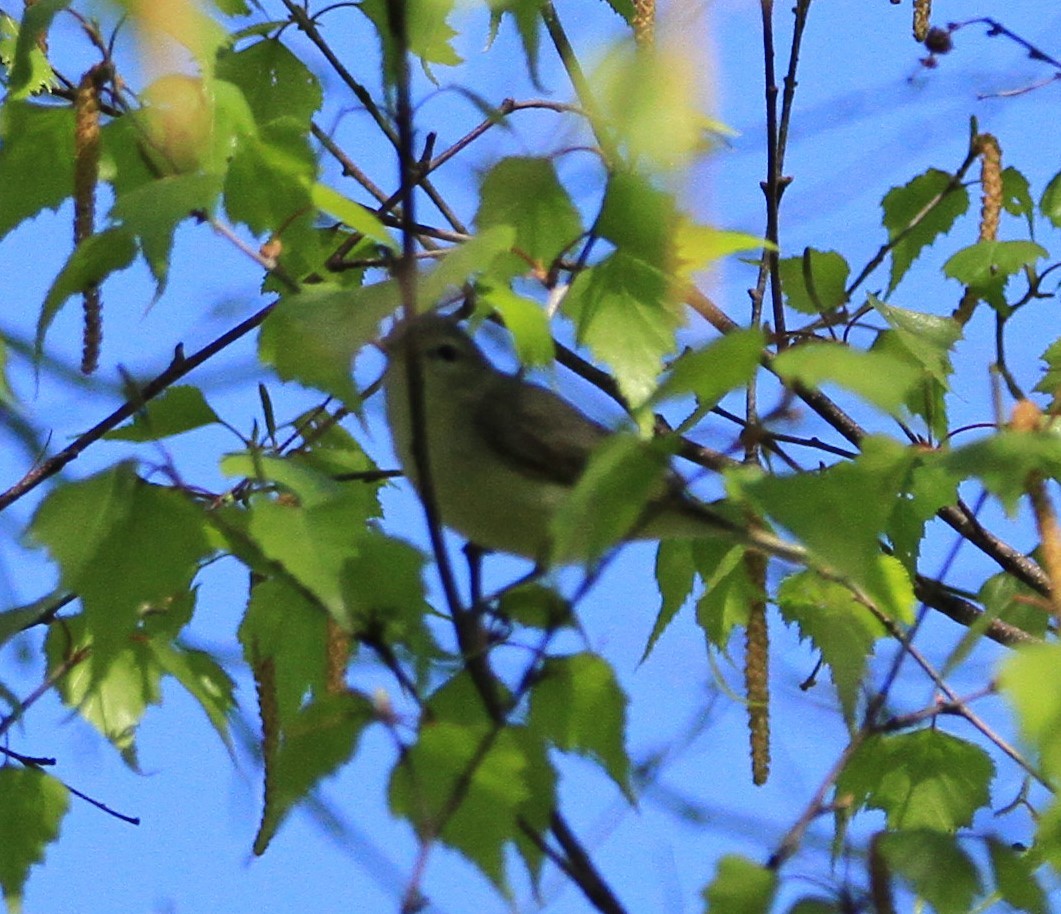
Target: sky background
(868, 117)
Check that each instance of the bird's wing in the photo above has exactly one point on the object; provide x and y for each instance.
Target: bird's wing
(537, 432)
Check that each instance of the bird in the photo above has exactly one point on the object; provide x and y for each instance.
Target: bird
(505, 454)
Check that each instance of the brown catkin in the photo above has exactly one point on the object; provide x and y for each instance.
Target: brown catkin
(990, 210)
(86, 177)
(756, 672)
(336, 658)
(264, 670)
(922, 13)
(990, 186)
(644, 21)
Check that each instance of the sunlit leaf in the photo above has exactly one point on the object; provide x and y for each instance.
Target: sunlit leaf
(934, 201)
(925, 779)
(815, 282)
(838, 626)
(578, 706)
(178, 409)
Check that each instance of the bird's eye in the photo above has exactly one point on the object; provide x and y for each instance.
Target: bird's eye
(447, 352)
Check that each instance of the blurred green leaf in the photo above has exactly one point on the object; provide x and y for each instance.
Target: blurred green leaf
(1050, 204)
(1015, 878)
(1017, 196)
(878, 377)
(817, 508)
(29, 69)
(740, 886)
(710, 373)
(276, 84)
(1003, 462)
(1031, 681)
(934, 867)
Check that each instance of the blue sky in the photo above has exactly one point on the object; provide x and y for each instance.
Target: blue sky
(867, 118)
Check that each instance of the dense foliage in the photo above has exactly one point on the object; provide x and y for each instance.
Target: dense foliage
(574, 217)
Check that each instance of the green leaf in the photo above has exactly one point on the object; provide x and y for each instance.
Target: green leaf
(153, 211)
(319, 739)
(608, 500)
(110, 690)
(928, 338)
(92, 261)
(525, 193)
(623, 311)
(728, 590)
(268, 183)
(313, 544)
(1003, 461)
(204, 679)
(944, 199)
(35, 72)
(985, 267)
(838, 626)
(710, 373)
(934, 867)
(816, 282)
(578, 706)
(478, 256)
(1050, 383)
(524, 318)
(282, 626)
(675, 576)
(30, 70)
(487, 775)
(639, 218)
(817, 508)
(36, 160)
(313, 335)
(276, 84)
(650, 99)
(1031, 680)
(527, 16)
(383, 589)
(120, 544)
(32, 807)
(1017, 197)
(427, 30)
(926, 779)
(1050, 204)
(878, 377)
(1005, 597)
(176, 410)
(740, 886)
(536, 606)
(1015, 878)
(352, 214)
